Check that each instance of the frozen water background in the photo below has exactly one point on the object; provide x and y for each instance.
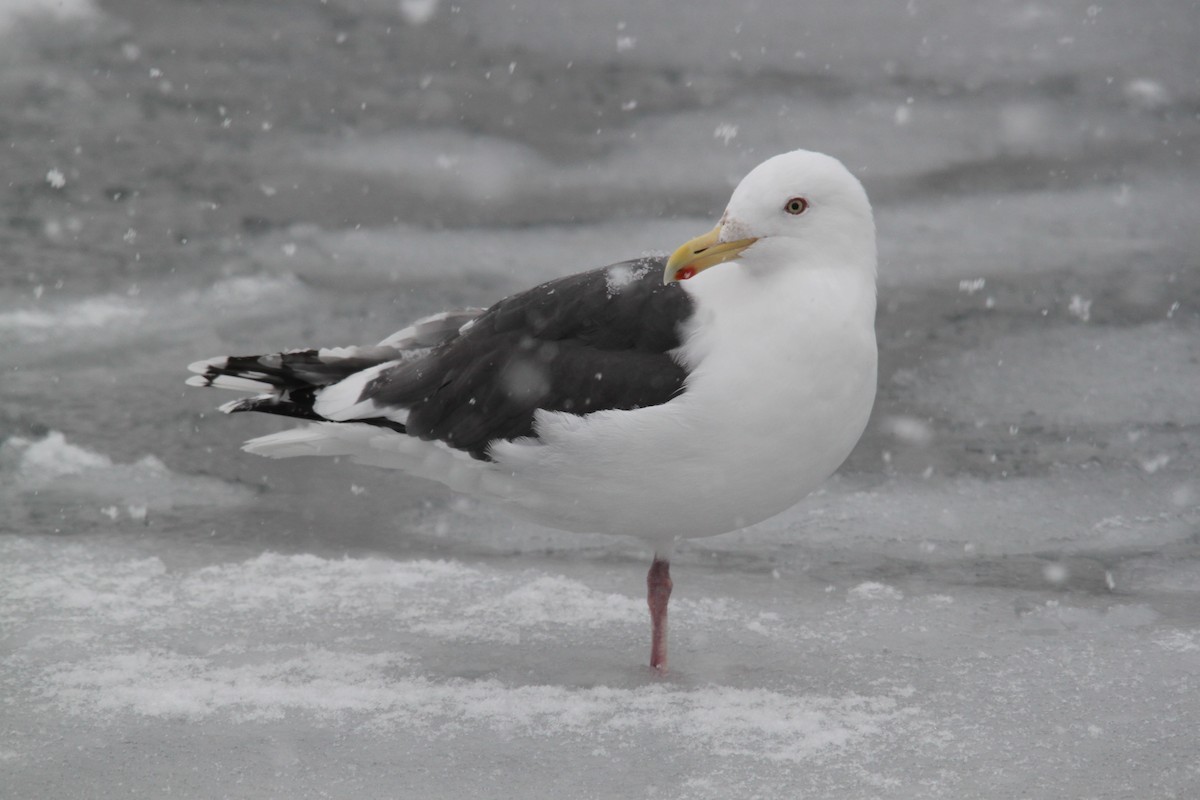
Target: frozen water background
(998, 596)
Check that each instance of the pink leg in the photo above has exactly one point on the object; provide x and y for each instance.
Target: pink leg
(658, 593)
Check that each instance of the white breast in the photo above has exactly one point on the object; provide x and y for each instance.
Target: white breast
(782, 381)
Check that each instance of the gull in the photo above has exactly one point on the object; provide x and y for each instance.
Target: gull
(660, 398)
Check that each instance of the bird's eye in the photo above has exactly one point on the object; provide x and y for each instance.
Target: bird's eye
(797, 205)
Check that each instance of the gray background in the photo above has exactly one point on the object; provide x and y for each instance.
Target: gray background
(996, 597)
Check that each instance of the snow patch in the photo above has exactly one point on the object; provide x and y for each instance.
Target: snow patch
(872, 590)
(619, 276)
(45, 460)
(14, 11)
(244, 290)
(1179, 641)
(749, 723)
(109, 318)
(54, 465)
(162, 684)
(220, 641)
(39, 324)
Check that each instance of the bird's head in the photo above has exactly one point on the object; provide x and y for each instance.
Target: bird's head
(795, 203)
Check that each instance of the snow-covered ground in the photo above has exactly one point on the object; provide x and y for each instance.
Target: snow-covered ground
(999, 596)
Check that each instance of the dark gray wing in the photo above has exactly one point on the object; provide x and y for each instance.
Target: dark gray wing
(583, 343)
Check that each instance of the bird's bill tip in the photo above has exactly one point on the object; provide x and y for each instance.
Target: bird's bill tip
(695, 256)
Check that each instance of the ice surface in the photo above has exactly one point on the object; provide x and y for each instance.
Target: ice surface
(15, 11)
(52, 472)
(249, 678)
(40, 324)
(477, 258)
(862, 40)
(995, 598)
(1053, 376)
(135, 625)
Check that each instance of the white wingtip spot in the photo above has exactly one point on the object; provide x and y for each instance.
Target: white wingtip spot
(327, 353)
(197, 380)
(204, 365)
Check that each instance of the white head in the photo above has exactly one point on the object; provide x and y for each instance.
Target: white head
(796, 208)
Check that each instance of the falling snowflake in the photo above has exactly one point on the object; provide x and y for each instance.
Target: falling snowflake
(725, 131)
(1153, 465)
(1080, 308)
(418, 12)
(1147, 94)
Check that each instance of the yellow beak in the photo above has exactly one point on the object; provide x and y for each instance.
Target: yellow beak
(701, 253)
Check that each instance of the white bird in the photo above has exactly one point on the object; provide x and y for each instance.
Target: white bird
(659, 398)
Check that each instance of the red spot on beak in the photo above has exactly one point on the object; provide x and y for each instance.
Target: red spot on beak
(683, 273)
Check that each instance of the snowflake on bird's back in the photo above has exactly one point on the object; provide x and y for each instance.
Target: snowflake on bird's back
(618, 276)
